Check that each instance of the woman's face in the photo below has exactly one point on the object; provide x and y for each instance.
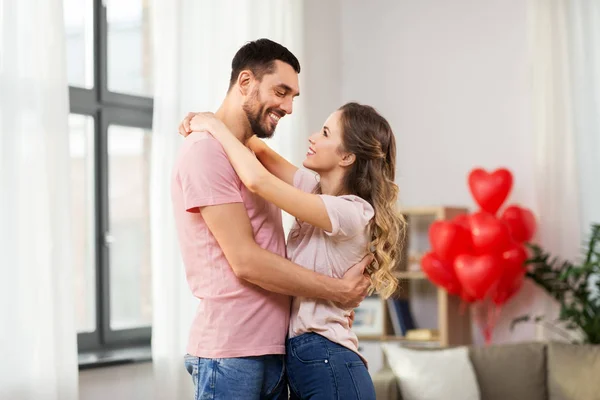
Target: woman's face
(324, 146)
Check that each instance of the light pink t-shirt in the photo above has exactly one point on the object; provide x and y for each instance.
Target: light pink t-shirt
(331, 254)
(234, 318)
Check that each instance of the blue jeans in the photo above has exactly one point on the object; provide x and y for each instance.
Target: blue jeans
(319, 369)
(243, 378)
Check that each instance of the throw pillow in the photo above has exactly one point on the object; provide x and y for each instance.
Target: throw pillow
(573, 371)
(511, 371)
(433, 375)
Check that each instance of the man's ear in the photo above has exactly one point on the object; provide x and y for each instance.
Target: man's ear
(245, 79)
(348, 160)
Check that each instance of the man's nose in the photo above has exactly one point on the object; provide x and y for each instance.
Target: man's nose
(287, 106)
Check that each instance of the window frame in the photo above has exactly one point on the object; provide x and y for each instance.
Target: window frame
(106, 108)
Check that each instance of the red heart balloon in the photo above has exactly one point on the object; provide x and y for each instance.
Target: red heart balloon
(478, 274)
(466, 297)
(521, 223)
(462, 220)
(490, 190)
(440, 272)
(449, 240)
(512, 274)
(514, 257)
(506, 290)
(488, 233)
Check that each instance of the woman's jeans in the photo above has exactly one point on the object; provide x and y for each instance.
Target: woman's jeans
(319, 369)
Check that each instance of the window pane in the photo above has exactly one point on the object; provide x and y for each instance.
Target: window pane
(81, 142)
(79, 29)
(129, 221)
(129, 47)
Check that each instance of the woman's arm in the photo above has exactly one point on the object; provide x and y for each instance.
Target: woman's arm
(305, 206)
(273, 162)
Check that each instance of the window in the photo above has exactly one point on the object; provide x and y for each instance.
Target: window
(110, 86)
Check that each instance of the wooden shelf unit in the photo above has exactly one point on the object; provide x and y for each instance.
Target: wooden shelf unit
(454, 321)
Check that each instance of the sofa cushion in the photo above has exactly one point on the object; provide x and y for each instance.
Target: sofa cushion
(573, 371)
(433, 375)
(511, 371)
(386, 386)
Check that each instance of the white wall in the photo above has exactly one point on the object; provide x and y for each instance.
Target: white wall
(452, 78)
(321, 74)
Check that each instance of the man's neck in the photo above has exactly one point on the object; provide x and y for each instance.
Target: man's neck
(235, 118)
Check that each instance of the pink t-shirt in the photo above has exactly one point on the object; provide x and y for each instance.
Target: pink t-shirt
(234, 318)
(331, 254)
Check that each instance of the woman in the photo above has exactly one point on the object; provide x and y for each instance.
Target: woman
(342, 216)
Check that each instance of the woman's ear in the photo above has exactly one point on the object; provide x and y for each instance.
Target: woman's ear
(348, 160)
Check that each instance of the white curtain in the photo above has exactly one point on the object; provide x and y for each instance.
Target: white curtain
(566, 103)
(565, 50)
(38, 343)
(585, 53)
(194, 42)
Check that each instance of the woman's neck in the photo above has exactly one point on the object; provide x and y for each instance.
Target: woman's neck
(332, 182)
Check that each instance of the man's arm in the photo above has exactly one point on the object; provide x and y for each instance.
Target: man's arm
(231, 227)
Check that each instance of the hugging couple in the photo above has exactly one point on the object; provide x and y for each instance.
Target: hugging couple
(272, 314)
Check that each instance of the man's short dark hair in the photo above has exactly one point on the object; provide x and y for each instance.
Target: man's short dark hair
(259, 57)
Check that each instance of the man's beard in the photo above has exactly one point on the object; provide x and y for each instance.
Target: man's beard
(256, 114)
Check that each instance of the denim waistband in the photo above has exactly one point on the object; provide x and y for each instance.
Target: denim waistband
(306, 337)
(311, 337)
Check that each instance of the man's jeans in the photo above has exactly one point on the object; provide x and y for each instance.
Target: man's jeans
(243, 378)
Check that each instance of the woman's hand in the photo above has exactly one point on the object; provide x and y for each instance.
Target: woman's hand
(206, 121)
(184, 127)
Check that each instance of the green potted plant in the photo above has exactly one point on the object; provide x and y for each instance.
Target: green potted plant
(576, 287)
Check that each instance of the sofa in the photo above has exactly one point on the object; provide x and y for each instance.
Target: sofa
(523, 371)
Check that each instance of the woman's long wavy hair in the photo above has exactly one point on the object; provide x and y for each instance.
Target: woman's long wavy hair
(367, 135)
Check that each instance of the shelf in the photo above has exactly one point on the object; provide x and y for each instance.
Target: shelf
(439, 212)
(392, 338)
(422, 211)
(410, 275)
(453, 325)
(370, 337)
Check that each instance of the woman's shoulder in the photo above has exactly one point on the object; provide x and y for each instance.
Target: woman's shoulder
(349, 214)
(358, 203)
(305, 180)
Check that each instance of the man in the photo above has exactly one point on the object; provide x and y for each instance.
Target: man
(233, 244)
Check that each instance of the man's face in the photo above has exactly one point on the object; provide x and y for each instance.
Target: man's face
(271, 99)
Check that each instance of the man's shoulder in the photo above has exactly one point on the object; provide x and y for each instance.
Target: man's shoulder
(203, 142)
(201, 149)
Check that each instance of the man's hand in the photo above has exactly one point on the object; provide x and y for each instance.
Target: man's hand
(355, 284)
(184, 127)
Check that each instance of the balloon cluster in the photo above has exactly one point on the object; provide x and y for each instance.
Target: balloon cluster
(481, 256)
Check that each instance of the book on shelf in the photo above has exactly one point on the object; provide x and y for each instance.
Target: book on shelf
(401, 316)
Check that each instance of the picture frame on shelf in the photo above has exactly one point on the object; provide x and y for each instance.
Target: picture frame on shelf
(368, 319)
